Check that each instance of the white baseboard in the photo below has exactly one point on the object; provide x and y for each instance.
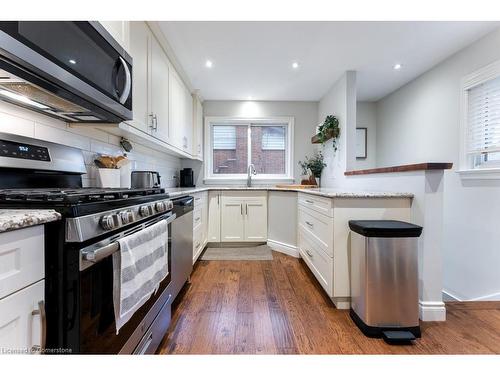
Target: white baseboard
(432, 311)
(448, 297)
(284, 248)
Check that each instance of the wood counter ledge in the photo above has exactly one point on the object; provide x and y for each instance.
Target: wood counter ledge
(402, 168)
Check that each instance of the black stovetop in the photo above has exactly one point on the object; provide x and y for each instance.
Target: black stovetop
(73, 196)
(79, 201)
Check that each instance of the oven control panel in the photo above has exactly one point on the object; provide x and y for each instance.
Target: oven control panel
(23, 151)
(82, 228)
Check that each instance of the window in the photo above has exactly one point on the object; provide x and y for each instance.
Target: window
(234, 144)
(481, 120)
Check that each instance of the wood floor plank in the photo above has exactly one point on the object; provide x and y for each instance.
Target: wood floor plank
(277, 306)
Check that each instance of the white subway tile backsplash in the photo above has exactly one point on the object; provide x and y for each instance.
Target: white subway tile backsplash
(17, 125)
(91, 141)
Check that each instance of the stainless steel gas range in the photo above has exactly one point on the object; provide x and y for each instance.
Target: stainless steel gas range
(79, 248)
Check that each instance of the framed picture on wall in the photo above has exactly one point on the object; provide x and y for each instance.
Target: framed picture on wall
(361, 139)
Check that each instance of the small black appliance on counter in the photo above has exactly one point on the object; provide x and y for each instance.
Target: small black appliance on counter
(187, 177)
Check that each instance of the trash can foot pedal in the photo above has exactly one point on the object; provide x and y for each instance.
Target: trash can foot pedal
(398, 337)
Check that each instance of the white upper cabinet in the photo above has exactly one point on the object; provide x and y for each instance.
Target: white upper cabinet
(160, 76)
(120, 31)
(197, 128)
(140, 38)
(162, 103)
(181, 114)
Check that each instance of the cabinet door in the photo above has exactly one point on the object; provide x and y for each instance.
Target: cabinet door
(255, 221)
(21, 323)
(198, 128)
(177, 111)
(140, 39)
(188, 121)
(159, 83)
(119, 30)
(214, 216)
(232, 220)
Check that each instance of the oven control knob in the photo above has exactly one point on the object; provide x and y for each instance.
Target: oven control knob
(126, 217)
(160, 207)
(107, 222)
(144, 211)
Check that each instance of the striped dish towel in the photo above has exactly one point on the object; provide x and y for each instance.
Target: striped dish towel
(138, 268)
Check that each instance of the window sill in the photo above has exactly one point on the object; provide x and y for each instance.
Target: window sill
(243, 181)
(480, 174)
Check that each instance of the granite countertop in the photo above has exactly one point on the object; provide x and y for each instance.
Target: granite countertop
(324, 192)
(11, 219)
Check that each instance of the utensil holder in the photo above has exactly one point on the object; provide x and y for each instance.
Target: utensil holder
(109, 178)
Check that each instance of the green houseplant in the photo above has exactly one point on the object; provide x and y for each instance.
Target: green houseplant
(315, 164)
(329, 129)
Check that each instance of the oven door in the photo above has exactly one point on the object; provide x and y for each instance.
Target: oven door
(73, 70)
(97, 321)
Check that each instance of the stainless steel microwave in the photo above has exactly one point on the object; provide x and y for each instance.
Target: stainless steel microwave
(73, 71)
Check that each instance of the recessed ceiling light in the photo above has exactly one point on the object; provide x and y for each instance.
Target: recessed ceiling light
(250, 97)
(208, 64)
(295, 65)
(397, 66)
(72, 61)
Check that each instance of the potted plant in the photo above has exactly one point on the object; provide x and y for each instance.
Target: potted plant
(314, 164)
(329, 130)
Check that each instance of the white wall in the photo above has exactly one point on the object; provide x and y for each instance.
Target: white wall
(304, 113)
(20, 121)
(339, 101)
(366, 117)
(420, 122)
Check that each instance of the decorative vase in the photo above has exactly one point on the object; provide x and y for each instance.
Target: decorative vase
(318, 181)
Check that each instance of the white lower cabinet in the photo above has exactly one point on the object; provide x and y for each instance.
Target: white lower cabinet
(214, 216)
(22, 320)
(320, 263)
(22, 291)
(243, 216)
(200, 223)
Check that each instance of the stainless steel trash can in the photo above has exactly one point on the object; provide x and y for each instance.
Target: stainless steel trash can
(384, 278)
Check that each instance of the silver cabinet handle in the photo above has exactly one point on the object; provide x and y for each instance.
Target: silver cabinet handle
(152, 117)
(246, 209)
(309, 253)
(128, 82)
(43, 326)
(241, 209)
(197, 245)
(197, 219)
(310, 202)
(155, 118)
(310, 224)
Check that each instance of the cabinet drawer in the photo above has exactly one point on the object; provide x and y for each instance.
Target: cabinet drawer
(21, 325)
(197, 242)
(197, 217)
(199, 199)
(21, 259)
(320, 204)
(318, 226)
(318, 262)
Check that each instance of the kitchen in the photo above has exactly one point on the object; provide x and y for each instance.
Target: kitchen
(165, 190)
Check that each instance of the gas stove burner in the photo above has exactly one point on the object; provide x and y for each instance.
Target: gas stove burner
(82, 195)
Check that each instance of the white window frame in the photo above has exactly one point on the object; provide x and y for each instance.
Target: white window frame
(478, 77)
(211, 178)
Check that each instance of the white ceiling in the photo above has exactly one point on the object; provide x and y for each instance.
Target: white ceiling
(253, 59)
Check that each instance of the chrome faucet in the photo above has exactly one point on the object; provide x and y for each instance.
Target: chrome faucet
(250, 171)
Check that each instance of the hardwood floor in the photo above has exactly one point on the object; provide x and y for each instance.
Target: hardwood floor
(277, 307)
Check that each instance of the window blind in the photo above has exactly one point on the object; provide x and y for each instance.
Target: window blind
(483, 117)
(224, 137)
(273, 138)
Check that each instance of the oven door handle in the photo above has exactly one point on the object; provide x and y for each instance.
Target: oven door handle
(105, 251)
